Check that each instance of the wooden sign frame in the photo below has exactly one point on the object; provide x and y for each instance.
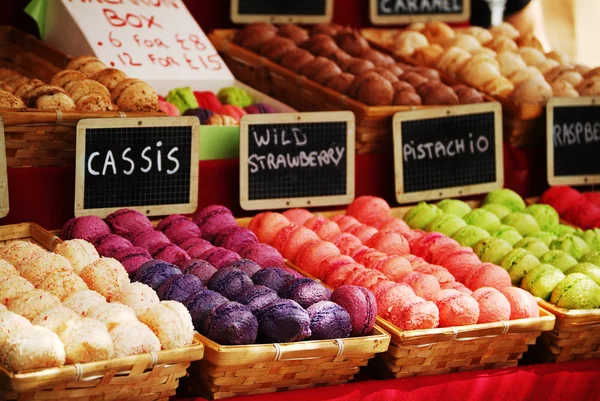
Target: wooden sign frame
(395, 19)
(441, 193)
(150, 210)
(238, 18)
(282, 118)
(4, 201)
(565, 179)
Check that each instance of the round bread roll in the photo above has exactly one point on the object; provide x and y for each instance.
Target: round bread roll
(63, 78)
(255, 35)
(55, 319)
(505, 29)
(531, 56)
(352, 43)
(10, 101)
(6, 269)
(42, 266)
(62, 284)
(386, 73)
(590, 87)
(464, 41)
(82, 301)
(27, 86)
(479, 72)
(438, 33)
(406, 97)
(14, 82)
(171, 323)
(481, 34)
(14, 287)
(32, 303)
(86, 340)
(87, 65)
(294, 33)
(87, 87)
(341, 82)
(106, 276)
(563, 88)
(135, 95)
(499, 86)
(510, 62)
(94, 102)
(339, 56)
(328, 29)
(32, 348)
(467, 95)
(559, 56)
(133, 338)
(31, 96)
(453, 59)
(79, 252)
(378, 58)
(434, 93)
(357, 66)
(374, 90)
(321, 45)
(407, 42)
(486, 51)
(55, 101)
(503, 44)
(18, 253)
(429, 55)
(276, 48)
(137, 296)
(521, 75)
(547, 65)
(10, 323)
(296, 59)
(530, 40)
(395, 69)
(112, 314)
(110, 78)
(413, 78)
(320, 70)
(532, 90)
(564, 74)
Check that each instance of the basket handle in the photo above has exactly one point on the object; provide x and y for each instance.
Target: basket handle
(314, 349)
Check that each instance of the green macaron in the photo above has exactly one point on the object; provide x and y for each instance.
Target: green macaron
(571, 244)
(506, 197)
(545, 215)
(592, 238)
(492, 249)
(470, 235)
(592, 257)
(483, 219)
(235, 96)
(541, 280)
(576, 291)
(446, 224)
(564, 229)
(454, 206)
(533, 245)
(499, 210)
(508, 234)
(545, 236)
(523, 222)
(421, 215)
(559, 259)
(517, 263)
(589, 269)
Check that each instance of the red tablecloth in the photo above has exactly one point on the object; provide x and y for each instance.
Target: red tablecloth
(569, 381)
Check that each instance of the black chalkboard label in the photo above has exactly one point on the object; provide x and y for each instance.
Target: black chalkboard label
(455, 151)
(386, 12)
(279, 11)
(147, 164)
(296, 159)
(573, 141)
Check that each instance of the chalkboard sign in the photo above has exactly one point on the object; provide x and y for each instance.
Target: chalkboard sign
(281, 11)
(146, 164)
(4, 206)
(573, 141)
(393, 12)
(446, 152)
(296, 160)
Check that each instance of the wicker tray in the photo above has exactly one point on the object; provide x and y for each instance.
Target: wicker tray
(524, 124)
(39, 137)
(153, 376)
(229, 371)
(373, 124)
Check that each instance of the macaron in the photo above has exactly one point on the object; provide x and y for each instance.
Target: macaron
(360, 304)
(260, 108)
(207, 100)
(202, 114)
(182, 98)
(234, 96)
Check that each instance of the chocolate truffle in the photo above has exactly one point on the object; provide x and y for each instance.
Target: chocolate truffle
(282, 320)
(179, 287)
(294, 33)
(200, 303)
(235, 238)
(352, 43)
(199, 268)
(108, 244)
(229, 281)
(155, 272)
(295, 59)
(305, 291)
(341, 82)
(328, 320)
(276, 48)
(246, 265)
(219, 257)
(212, 220)
(128, 223)
(255, 35)
(272, 277)
(320, 70)
(230, 323)
(256, 297)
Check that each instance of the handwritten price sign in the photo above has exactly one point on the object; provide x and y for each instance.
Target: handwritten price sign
(155, 40)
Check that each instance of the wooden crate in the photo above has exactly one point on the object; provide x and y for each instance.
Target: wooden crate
(373, 123)
(229, 371)
(153, 376)
(40, 137)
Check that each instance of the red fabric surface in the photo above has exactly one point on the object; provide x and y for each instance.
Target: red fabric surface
(574, 381)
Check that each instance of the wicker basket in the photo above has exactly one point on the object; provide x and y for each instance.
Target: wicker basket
(229, 371)
(39, 137)
(373, 124)
(524, 124)
(153, 376)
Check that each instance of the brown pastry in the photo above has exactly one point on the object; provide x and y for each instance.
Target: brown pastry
(295, 59)
(402, 86)
(532, 90)
(467, 95)
(66, 76)
(5, 87)
(55, 101)
(407, 42)
(7, 73)
(294, 33)
(352, 43)
(590, 87)
(547, 65)
(438, 33)
(320, 70)
(386, 73)
(413, 78)
(406, 98)
(453, 59)
(341, 83)
(562, 88)
(503, 44)
(27, 86)
(438, 93)
(276, 48)
(583, 69)
(357, 66)
(339, 57)
(505, 29)
(395, 69)
(110, 77)
(10, 101)
(88, 65)
(562, 58)
(565, 74)
(530, 40)
(135, 95)
(30, 97)
(15, 81)
(94, 102)
(220, 119)
(374, 90)
(428, 73)
(327, 29)
(87, 87)
(378, 58)
(254, 36)
(464, 41)
(481, 34)
(321, 45)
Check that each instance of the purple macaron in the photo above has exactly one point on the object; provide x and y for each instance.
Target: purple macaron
(179, 228)
(256, 297)
(199, 268)
(229, 282)
(263, 254)
(219, 257)
(260, 108)
(132, 258)
(282, 320)
(214, 219)
(169, 253)
(147, 239)
(85, 227)
(179, 287)
(200, 303)
(107, 245)
(153, 273)
(305, 291)
(231, 323)
(245, 265)
(202, 114)
(328, 320)
(272, 277)
(195, 247)
(128, 222)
